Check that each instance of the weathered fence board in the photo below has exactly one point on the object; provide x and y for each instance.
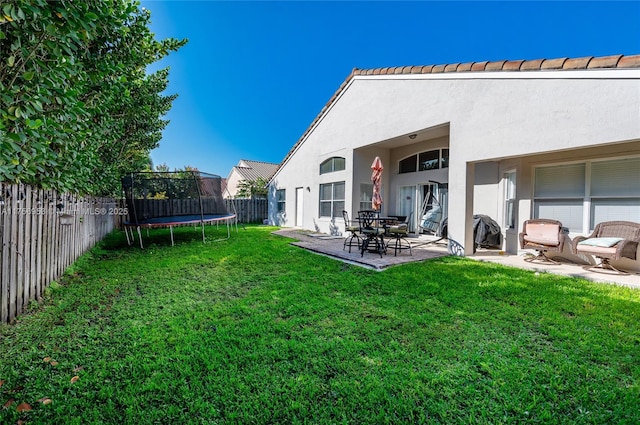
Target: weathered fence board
(41, 234)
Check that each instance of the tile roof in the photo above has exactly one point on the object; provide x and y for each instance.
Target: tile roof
(251, 170)
(588, 62)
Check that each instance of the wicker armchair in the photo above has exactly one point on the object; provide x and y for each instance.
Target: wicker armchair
(542, 235)
(610, 240)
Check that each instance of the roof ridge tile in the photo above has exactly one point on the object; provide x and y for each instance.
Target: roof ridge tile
(479, 66)
(452, 67)
(553, 63)
(512, 65)
(604, 62)
(495, 65)
(632, 61)
(577, 63)
(427, 69)
(532, 65)
(465, 67)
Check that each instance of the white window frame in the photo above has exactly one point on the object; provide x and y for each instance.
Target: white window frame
(510, 196)
(333, 160)
(281, 200)
(333, 201)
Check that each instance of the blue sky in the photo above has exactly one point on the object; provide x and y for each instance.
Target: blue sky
(254, 75)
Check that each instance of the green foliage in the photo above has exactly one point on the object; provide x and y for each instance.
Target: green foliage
(252, 188)
(77, 108)
(253, 330)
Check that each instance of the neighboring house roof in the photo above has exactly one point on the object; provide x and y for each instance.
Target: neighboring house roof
(252, 170)
(558, 64)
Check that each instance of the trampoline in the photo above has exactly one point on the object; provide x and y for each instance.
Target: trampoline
(168, 199)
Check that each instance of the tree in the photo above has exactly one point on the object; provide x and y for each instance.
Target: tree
(252, 188)
(77, 108)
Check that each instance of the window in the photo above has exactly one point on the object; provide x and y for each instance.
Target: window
(331, 199)
(429, 160)
(445, 158)
(408, 165)
(366, 193)
(615, 191)
(424, 161)
(559, 194)
(510, 200)
(582, 195)
(281, 197)
(332, 164)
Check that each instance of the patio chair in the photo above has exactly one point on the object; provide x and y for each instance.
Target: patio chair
(543, 235)
(372, 232)
(351, 229)
(610, 240)
(398, 236)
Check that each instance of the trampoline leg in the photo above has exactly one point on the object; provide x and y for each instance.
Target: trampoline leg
(140, 236)
(203, 232)
(171, 231)
(126, 232)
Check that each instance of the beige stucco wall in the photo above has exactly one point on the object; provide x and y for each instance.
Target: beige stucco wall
(493, 118)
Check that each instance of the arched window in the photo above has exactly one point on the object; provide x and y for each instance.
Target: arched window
(332, 164)
(409, 165)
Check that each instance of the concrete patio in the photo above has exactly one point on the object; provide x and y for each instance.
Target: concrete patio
(424, 248)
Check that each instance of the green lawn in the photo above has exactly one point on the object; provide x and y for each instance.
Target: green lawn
(253, 330)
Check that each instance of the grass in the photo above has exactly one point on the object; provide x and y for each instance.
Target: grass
(253, 330)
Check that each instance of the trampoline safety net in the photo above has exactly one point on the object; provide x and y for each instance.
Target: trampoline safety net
(173, 194)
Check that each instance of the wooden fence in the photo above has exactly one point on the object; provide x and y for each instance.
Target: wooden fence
(42, 233)
(249, 210)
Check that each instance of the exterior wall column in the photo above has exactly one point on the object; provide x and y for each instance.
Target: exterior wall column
(460, 221)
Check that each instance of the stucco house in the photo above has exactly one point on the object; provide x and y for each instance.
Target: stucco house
(250, 171)
(544, 138)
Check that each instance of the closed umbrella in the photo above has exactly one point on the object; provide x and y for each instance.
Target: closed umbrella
(376, 178)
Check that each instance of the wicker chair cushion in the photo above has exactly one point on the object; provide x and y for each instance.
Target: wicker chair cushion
(542, 241)
(601, 242)
(543, 233)
(595, 250)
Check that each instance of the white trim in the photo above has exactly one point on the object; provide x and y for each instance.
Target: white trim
(506, 200)
(586, 212)
(551, 74)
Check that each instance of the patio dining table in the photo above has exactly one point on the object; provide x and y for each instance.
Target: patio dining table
(373, 230)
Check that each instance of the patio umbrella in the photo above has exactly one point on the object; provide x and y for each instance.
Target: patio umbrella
(376, 178)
